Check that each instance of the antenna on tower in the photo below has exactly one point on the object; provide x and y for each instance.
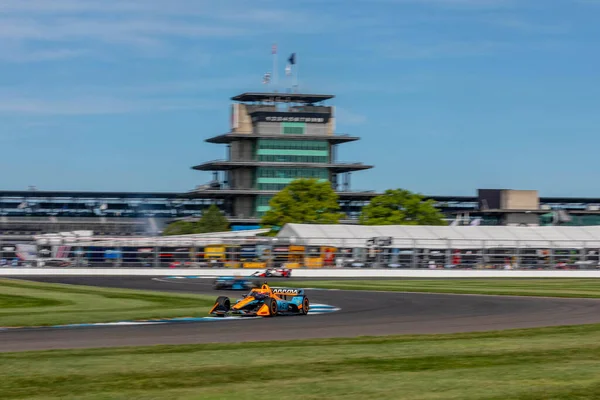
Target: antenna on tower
(274, 53)
(289, 71)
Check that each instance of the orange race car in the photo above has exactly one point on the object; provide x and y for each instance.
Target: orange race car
(264, 302)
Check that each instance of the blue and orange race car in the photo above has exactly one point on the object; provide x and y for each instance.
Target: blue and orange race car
(234, 283)
(264, 302)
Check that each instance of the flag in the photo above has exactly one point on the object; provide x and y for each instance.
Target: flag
(267, 78)
(291, 61)
(274, 49)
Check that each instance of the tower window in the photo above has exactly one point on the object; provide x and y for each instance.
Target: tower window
(292, 128)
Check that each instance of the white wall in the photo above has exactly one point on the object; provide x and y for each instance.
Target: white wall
(301, 273)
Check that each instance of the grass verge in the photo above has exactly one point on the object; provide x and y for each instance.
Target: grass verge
(548, 287)
(533, 364)
(25, 303)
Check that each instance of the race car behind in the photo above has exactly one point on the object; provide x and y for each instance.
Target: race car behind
(234, 283)
(264, 302)
(274, 272)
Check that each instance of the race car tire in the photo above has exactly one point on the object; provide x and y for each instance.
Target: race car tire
(272, 305)
(224, 302)
(305, 306)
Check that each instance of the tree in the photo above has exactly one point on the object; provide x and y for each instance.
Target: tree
(303, 201)
(401, 207)
(179, 228)
(212, 220)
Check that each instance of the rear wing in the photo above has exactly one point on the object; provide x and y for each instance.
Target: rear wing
(281, 291)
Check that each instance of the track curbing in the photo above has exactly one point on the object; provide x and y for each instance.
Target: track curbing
(315, 309)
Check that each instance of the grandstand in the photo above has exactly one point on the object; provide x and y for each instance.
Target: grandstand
(472, 247)
(24, 214)
(445, 237)
(323, 246)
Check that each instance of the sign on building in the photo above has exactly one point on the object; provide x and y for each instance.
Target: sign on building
(380, 241)
(314, 118)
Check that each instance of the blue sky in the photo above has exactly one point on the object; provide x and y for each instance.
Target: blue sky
(447, 95)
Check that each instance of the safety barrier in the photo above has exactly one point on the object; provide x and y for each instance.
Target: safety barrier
(305, 273)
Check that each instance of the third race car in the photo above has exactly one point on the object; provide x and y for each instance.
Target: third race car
(274, 272)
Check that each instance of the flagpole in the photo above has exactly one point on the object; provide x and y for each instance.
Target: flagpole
(274, 51)
(296, 74)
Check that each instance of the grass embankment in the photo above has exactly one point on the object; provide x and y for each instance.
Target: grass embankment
(549, 287)
(536, 364)
(24, 303)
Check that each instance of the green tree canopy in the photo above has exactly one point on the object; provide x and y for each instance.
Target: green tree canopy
(180, 228)
(303, 201)
(401, 207)
(212, 220)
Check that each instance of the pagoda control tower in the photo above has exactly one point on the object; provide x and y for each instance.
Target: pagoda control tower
(276, 138)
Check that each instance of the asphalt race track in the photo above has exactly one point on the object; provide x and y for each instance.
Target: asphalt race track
(361, 314)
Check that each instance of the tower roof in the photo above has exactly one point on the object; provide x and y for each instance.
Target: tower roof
(234, 136)
(283, 97)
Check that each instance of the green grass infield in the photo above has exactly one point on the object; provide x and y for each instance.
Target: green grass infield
(25, 303)
(533, 364)
(546, 287)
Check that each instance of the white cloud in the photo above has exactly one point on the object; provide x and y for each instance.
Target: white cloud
(153, 28)
(17, 54)
(409, 51)
(467, 3)
(66, 6)
(462, 4)
(148, 27)
(224, 10)
(107, 30)
(530, 27)
(97, 105)
(163, 96)
(197, 86)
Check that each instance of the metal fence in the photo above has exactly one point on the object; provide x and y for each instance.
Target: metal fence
(260, 253)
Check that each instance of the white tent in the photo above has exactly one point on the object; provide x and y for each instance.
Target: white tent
(192, 240)
(442, 237)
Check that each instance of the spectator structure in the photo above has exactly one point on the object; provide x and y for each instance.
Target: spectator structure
(275, 138)
(442, 237)
(395, 246)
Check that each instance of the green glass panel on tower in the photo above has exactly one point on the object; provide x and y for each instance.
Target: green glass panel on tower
(292, 173)
(289, 144)
(262, 204)
(273, 178)
(293, 128)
